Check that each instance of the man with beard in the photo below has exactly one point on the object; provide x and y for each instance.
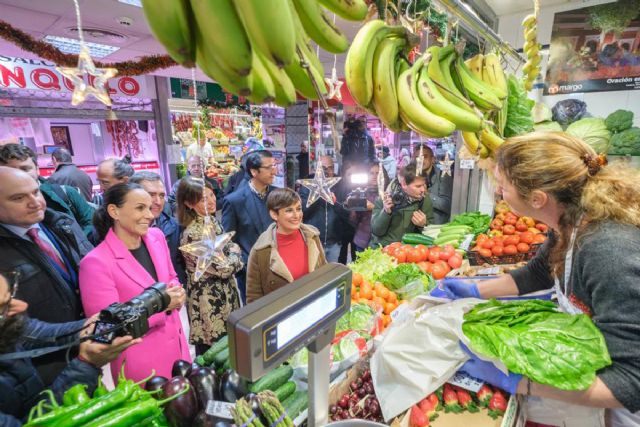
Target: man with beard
(20, 384)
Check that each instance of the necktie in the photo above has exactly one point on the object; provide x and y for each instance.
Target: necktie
(46, 248)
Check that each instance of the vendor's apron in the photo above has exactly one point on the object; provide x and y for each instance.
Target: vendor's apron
(557, 413)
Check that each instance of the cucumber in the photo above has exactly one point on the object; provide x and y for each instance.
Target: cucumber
(447, 239)
(216, 348)
(296, 403)
(200, 361)
(220, 358)
(417, 239)
(285, 390)
(273, 379)
(442, 236)
(456, 228)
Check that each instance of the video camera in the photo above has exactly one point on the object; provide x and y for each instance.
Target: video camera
(357, 198)
(131, 317)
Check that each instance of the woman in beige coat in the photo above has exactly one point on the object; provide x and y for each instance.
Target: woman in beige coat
(286, 251)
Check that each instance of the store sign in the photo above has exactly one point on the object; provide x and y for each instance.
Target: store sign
(183, 89)
(38, 74)
(152, 165)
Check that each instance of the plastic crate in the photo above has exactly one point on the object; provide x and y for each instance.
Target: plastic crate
(476, 259)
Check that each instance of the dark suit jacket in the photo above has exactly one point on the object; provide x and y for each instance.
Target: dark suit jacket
(69, 174)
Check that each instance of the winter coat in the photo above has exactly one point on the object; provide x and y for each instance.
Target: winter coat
(67, 200)
(388, 228)
(69, 174)
(391, 166)
(440, 190)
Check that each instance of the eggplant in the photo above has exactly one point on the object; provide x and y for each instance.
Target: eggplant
(205, 385)
(205, 420)
(232, 386)
(180, 368)
(156, 383)
(181, 411)
(254, 402)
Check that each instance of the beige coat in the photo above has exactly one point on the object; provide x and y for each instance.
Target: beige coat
(267, 271)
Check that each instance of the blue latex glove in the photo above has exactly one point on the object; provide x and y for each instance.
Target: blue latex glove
(487, 372)
(456, 288)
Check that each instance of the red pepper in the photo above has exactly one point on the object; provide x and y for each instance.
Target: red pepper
(428, 408)
(466, 401)
(450, 397)
(484, 395)
(435, 401)
(497, 405)
(418, 418)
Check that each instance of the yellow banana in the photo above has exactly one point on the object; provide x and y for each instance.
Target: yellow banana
(490, 139)
(440, 72)
(531, 34)
(475, 64)
(270, 27)
(474, 145)
(493, 75)
(285, 91)
(320, 27)
(385, 97)
(479, 92)
(434, 101)
(413, 112)
(263, 89)
(351, 10)
(229, 40)
(171, 22)
(529, 21)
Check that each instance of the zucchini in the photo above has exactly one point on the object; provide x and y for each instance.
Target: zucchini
(216, 348)
(446, 235)
(456, 228)
(219, 359)
(453, 241)
(296, 403)
(273, 379)
(417, 239)
(285, 390)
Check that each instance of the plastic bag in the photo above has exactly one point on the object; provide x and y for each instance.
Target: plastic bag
(568, 111)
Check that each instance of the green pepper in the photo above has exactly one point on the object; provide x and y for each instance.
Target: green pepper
(154, 421)
(101, 390)
(75, 394)
(51, 418)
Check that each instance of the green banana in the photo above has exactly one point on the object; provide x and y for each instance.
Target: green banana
(351, 10)
(413, 112)
(479, 92)
(434, 101)
(529, 21)
(229, 40)
(263, 88)
(270, 27)
(320, 27)
(208, 64)
(285, 91)
(474, 145)
(475, 64)
(493, 75)
(300, 77)
(385, 97)
(359, 62)
(171, 22)
(440, 72)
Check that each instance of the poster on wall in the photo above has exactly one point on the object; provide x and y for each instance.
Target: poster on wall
(280, 158)
(595, 49)
(274, 137)
(61, 137)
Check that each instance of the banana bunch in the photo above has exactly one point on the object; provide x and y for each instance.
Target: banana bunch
(531, 48)
(254, 48)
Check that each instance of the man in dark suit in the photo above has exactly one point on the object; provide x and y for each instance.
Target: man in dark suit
(245, 210)
(45, 248)
(68, 174)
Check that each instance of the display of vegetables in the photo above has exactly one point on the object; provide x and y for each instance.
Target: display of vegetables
(593, 131)
(376, 295)
(478, 221)
(449, 234)
(436, 261)
(261, 410)
(506, 222)
(359, 402)
(539, 342)
(372, 263)
(618, 121)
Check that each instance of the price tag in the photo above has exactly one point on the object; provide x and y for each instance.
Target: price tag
(462, 380)
(466, 242)
(219, 409)
(467, 164)
(492, 271)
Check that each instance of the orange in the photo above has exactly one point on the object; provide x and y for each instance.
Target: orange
(392, 297)
(386, 319)
(356, 279)
(383, 292)
(389, 307)
(379, 301)
(366, 291)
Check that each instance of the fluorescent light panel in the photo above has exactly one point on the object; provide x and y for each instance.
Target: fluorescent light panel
(67, 45)
(132, 2)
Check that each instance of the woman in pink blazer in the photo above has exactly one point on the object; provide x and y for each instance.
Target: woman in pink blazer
(132, 257)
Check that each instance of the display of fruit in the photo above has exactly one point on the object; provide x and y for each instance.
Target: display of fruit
(531, 48)
(359, 403)
(234, 42)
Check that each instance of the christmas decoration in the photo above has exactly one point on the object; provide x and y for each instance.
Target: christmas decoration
(82, 89)
(445, 165)
(209, 249)
(319, 186)
(334, 83)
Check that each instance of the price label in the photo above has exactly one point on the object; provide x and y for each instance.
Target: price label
(219, 409)
(466, 242)
(462, 380)
(492, 271)
(467, 164)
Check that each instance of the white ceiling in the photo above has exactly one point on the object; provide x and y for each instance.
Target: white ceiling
(508, 7)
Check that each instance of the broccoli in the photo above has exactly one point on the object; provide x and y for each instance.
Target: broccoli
(626, 142)
(619, 120)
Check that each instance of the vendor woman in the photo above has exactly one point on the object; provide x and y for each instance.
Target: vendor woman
(592, 260)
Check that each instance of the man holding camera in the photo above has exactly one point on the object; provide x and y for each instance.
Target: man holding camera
(20, 384)
(404, 208)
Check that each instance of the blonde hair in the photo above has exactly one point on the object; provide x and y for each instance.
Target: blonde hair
(554, 162)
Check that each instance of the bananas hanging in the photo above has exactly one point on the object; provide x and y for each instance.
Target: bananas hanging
(254, 48)
(531, 48)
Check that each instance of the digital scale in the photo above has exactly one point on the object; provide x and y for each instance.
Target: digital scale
(304, 313)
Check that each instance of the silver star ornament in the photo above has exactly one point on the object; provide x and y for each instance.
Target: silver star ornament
(333, 85)
(319, 186)
(445, 165)
(82, 89)
(209, 249)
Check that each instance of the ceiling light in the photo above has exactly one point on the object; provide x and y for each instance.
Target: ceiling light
(132, 2)
(67, 45)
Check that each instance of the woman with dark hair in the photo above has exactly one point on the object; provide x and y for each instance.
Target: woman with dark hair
(286, 251)
(131, 257)
(211, 298)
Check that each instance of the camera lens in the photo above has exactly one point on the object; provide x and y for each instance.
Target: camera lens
(154, 299)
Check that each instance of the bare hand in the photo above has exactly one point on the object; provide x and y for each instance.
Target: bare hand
(178, 297)
(369, 206)
(91, 320)
(387, 203)
(419, 219)
(99, 354)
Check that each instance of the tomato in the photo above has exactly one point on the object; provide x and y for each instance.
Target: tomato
(510, 219)
(509, 229)
(510, 250)
(434, 254)
(424, 251)
(393, 246)
(497, 250)
(481, 238)
(438, 271)
(400, 255)
(526, 237)
(447, 252)
(485, 252)
(488, 244)
(356, 279)
(539, 238)
(529, 221)
(523, 247)
(424, 266)
(542, 227)
(496, 224)
(534, 230)
(414, 255)
(521, 226)
(455, 261)
(512, 240)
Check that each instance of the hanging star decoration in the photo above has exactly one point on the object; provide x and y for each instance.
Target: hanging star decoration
(319, 186)
(334, 84)
(420, 162)
(209, 249)
(82, 89)
(445, 165)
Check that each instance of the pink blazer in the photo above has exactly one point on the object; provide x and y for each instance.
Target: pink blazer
(109, 274)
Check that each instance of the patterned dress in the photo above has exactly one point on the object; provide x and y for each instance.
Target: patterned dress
(215, 295)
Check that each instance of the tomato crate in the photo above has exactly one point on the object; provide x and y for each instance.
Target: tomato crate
(476, 259)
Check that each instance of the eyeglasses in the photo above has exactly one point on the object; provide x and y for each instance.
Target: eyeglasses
(12, 280)
(273, 166)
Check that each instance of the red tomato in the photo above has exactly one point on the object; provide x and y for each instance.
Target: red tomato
(393, 246)
(424, 251)
(510, 250)
(510, 219)
(512, 240)
(434, 254)
(438, 272)
(455, 261)
(539, 238)
(526, 237)
(424, 266)
(542, 227)
(521, 226)
(523, 247)
(485, 252)
(497, 250)
(509, 229)
(414, 255)
(488, 244)
(447, 252)
(481, 239)
(400, 255)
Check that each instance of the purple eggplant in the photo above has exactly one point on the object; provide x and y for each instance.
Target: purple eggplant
(254, 402)
(156, 383)
(181, 411)
(232, 386)
(205, 385)
(205, 420)
(180, 368)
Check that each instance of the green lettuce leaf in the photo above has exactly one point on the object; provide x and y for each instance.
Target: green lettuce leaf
(519, 115)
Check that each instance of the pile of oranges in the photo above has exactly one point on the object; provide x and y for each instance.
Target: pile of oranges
(375, 295)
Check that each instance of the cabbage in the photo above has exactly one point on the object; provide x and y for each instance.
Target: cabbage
(593, 131)
(361, 316)
(541, 113)
(548, 127)
(568, 111)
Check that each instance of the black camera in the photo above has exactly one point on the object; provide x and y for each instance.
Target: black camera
(131, 317)
(400, 200)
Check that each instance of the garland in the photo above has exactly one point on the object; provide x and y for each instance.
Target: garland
(44, 50)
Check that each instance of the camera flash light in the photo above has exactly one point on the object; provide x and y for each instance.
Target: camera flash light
(359, 178)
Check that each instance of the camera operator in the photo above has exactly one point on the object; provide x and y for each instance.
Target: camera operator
(20, 384)
(361, 218)
(404, 209)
